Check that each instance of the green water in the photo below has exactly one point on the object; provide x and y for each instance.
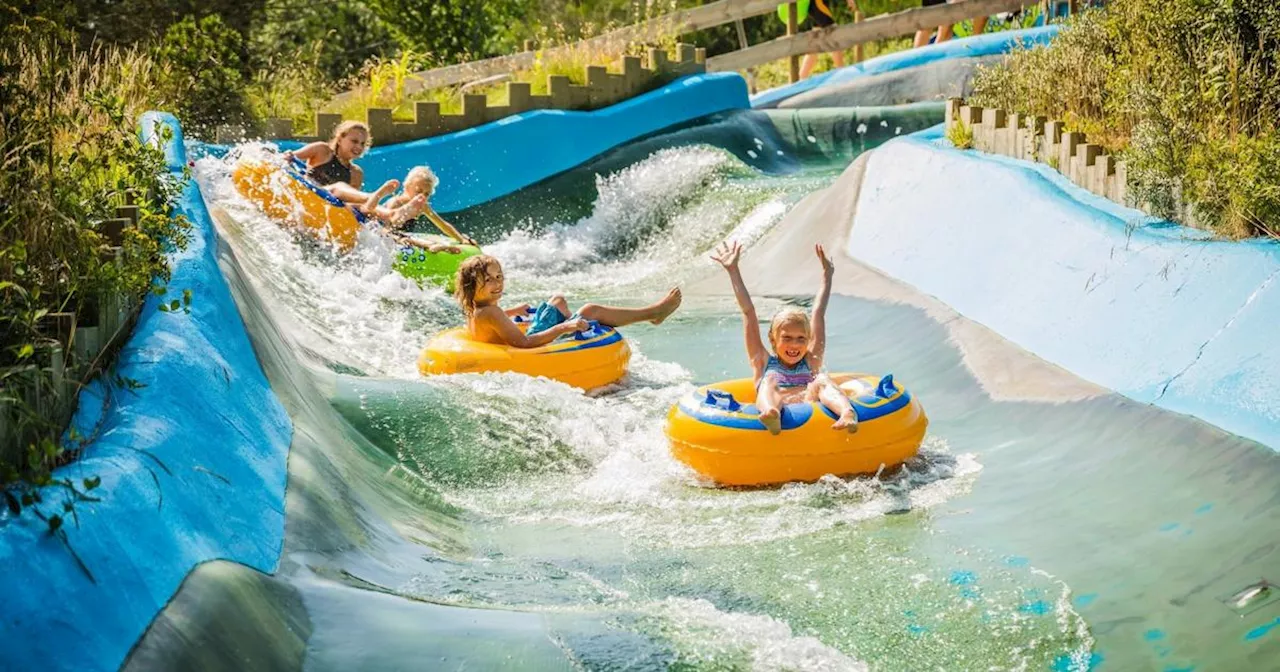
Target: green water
(500, 522)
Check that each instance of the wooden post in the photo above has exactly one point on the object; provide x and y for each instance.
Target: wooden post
(951, 114)
(519, 98)
(791, 30)
(857, 48)
(473, 109)
(743, 44)
(558, 88)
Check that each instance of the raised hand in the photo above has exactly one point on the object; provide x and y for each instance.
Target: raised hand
(727, 254)
(828, 268)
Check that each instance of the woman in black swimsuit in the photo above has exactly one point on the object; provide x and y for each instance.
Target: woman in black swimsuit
(330, 164)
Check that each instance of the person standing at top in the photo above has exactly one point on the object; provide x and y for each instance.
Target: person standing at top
(823, 18)
(944, 31)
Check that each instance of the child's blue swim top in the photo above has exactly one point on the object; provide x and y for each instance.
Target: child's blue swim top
(800, 376)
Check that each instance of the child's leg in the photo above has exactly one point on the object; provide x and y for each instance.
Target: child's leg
(347, 193)
(769, 401)
(558, 302)
(807, 65)
(370, 205)
(835, 400)
(612, 316)
(399, 215)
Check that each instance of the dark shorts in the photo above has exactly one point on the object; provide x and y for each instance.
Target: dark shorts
(820, 13)
(931, 3)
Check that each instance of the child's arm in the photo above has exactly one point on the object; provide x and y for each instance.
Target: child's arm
(446, 228)
(727, 256)
(818, 349)
(507, 330)
(315, 150)
(518, 310)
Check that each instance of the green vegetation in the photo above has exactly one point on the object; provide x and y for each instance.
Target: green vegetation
(71, 153)
(1186, 91)
(961, 135)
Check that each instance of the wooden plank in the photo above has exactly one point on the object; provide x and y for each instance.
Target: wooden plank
(880, 27)
(794, 65)
(677, 23)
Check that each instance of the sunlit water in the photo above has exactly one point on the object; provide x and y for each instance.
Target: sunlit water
(571, 503)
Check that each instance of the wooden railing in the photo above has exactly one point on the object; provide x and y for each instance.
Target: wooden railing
(718, 13)
(839, 38)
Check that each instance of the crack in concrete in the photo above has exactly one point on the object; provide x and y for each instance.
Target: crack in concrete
(1219, 332)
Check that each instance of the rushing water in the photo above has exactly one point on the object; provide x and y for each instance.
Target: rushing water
(1016, 540)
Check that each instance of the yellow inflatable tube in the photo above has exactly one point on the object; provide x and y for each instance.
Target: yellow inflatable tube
(716, 430)
(285, 194)
(590, 359)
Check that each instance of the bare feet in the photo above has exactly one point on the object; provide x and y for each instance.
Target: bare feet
(384, 191)
(772, 421)
(667, 305)
(847, 421)
(409, 210)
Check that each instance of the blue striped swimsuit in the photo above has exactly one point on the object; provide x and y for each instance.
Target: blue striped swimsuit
(800, 376)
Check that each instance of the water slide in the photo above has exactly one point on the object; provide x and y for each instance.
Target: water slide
(493, 521)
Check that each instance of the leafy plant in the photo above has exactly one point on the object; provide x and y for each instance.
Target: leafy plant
(205, 74)
(961, 135)
(1191, 102)
(71, 153)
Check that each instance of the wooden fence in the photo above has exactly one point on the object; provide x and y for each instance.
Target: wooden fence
(1033, 138)
(718, 13)
(603, 88)
(79, 341)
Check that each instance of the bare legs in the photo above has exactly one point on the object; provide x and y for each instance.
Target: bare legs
(368, 202)
(811, 60)
(824, 390)
(770, 400)
(613, 316)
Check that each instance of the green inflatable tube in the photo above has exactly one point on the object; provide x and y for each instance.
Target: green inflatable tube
(802, 11)
(437, 268)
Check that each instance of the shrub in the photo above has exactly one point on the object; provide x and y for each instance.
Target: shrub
(1191, 101)
(203, 77)
(71, 155)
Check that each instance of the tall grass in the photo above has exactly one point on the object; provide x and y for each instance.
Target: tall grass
(71, 155)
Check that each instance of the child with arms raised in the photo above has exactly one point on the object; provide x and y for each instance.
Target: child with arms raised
(480, 285)
(793, 373)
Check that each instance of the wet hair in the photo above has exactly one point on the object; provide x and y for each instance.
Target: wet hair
(471, 274)
(423, 173)
(785, 317)
(347, 127)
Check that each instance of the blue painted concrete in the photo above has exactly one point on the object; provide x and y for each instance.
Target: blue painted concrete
(192, 467)
(491, 161)
(1157, 312)
(981, 45)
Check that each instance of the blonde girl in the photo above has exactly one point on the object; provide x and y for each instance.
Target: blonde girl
(793, 373)
(419, 184)
(331, 165)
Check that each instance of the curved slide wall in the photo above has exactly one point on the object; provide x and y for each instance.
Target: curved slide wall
(192, 466)
(1159, 313)
(193, 462)
(990, 44)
